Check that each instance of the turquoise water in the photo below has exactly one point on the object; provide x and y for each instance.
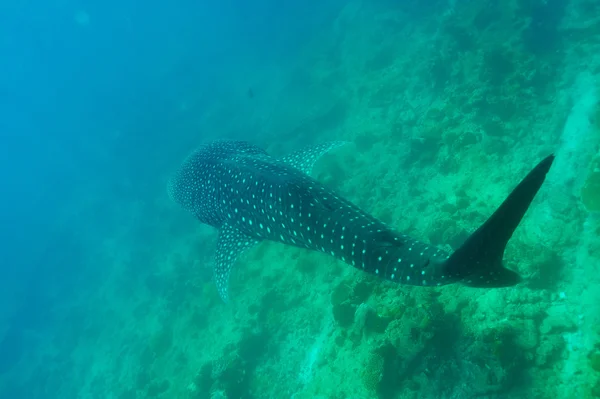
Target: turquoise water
(106, 287)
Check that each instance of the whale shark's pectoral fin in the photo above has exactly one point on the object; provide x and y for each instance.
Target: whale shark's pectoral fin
(230, 245)
(306, 158)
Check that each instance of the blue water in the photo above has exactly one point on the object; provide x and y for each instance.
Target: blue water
(105, 286)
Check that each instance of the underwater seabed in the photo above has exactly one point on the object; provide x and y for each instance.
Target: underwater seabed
(590, 192)
(387, 342)
(582, 364)
(580, 147)
(447, 110)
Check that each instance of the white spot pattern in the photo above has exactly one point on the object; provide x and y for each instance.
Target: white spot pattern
(250, 196)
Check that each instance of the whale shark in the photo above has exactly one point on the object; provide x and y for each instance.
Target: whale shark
(251, 196)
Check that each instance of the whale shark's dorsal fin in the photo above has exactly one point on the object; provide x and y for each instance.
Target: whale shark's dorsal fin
(478, 262)
(306, 158)
(230, 245)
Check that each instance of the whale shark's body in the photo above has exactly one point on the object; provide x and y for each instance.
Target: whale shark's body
(251, 196)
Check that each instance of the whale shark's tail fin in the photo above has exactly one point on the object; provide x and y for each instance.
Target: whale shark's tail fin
(478, 262)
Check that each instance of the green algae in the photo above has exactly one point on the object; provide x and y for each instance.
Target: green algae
(376, 323)
(596, 389)
(161, 342)
(340, 294)
(590, 193)
(157, 388)
(595, 361)
(343, 314)
(362, 291)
